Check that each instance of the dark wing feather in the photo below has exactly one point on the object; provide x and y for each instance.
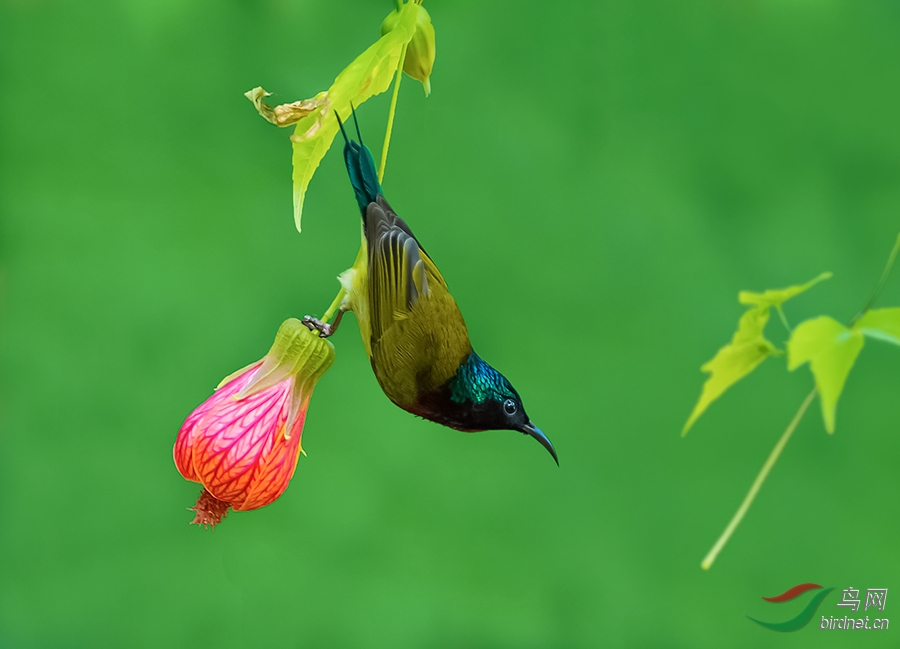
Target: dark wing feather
(397, 271)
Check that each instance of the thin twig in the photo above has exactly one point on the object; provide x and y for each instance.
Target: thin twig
(390, 124)
(783, 318)
(881, 282)
(334, 304)
(758, 483)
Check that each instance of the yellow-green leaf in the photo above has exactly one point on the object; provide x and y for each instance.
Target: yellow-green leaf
(831, 350)
(368, 75)
(883, 324)
(748, 348)
(777, 297)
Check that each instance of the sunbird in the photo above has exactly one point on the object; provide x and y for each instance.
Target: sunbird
(412, 329)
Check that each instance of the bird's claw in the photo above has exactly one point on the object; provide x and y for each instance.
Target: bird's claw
(314, 324)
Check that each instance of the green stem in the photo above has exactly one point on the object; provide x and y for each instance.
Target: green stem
(758, 483)
(334, 305)
(783, 318)
(390, 124)
(881, 282)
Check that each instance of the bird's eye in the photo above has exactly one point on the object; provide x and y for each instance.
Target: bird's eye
(509, 406)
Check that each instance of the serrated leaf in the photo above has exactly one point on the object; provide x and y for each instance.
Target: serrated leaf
(883, 324)
(831, 350)
(368, 75)
(777, 297)
(748, 348)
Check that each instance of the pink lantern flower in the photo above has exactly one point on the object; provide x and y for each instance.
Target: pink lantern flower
(242, 444)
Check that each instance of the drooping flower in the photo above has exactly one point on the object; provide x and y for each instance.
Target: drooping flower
(243, 442)
(419, 60)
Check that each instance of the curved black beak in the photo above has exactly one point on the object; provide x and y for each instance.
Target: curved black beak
(538, 434)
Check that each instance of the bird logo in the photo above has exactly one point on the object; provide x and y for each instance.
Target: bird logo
(804, 616)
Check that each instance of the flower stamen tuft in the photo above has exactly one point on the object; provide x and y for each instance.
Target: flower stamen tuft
(209, 510)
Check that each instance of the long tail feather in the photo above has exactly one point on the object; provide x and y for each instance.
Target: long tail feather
(360, 167)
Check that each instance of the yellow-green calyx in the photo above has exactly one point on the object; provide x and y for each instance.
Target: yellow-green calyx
(299, 356)
(420, 51)
(296, 351)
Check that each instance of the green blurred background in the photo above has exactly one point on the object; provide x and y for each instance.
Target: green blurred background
(596, 180)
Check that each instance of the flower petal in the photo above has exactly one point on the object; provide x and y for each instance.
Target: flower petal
(275, 469)
(183, 450)
(235, 435)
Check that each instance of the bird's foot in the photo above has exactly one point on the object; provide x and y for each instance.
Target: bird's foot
(314, 324)
(325, 330)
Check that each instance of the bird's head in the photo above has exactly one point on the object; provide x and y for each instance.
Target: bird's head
(483, 399)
